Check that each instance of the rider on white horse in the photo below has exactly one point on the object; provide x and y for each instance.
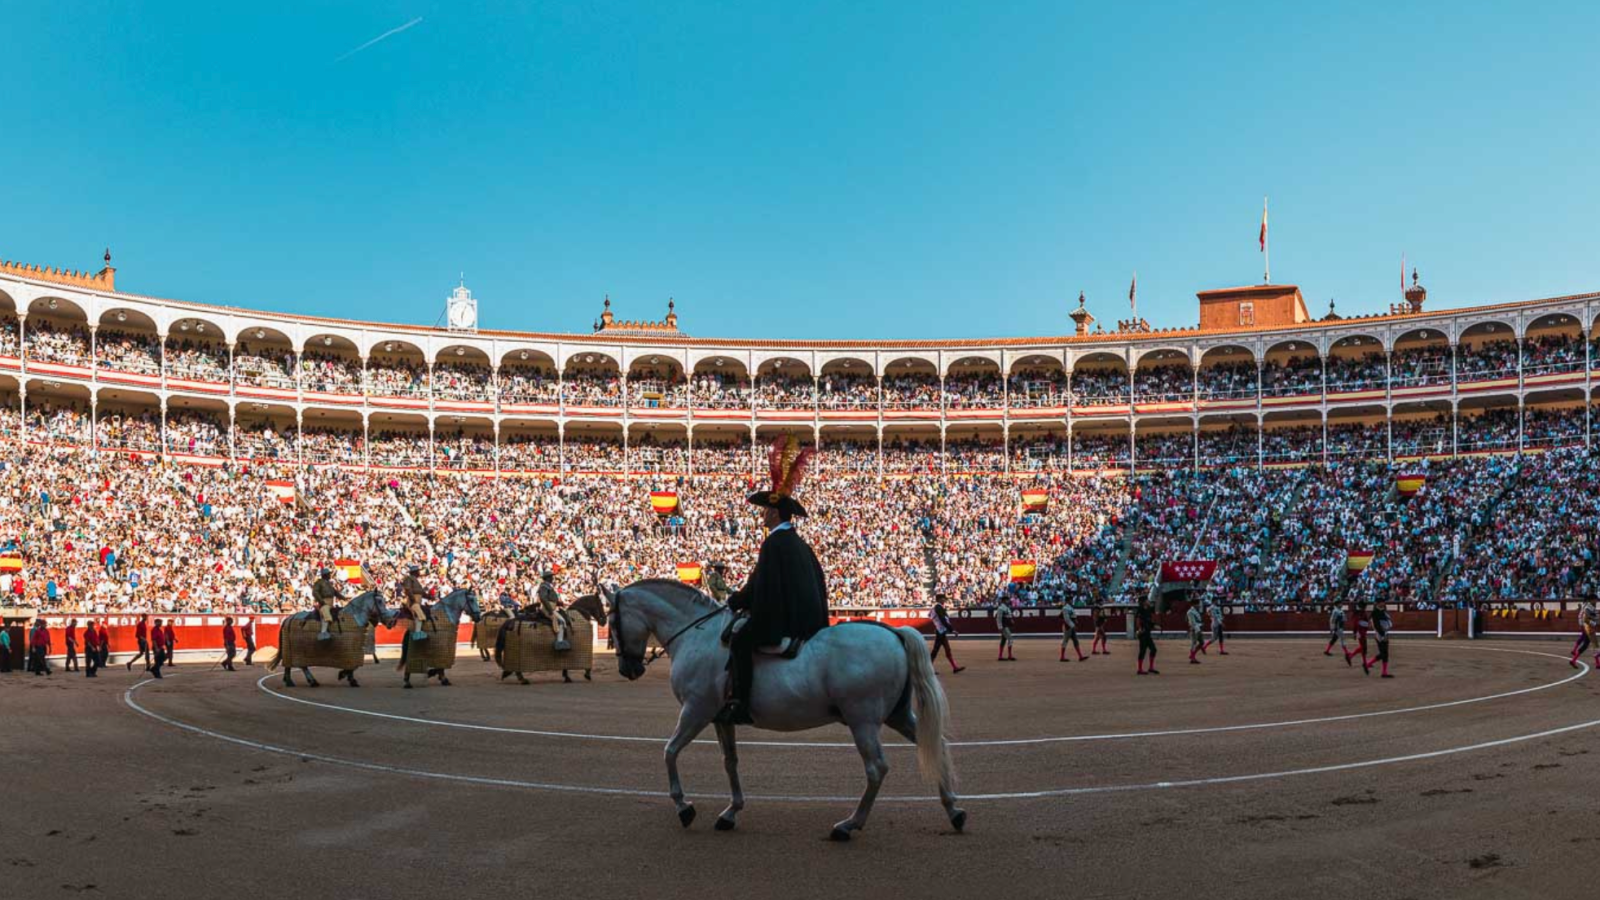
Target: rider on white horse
(786, 595)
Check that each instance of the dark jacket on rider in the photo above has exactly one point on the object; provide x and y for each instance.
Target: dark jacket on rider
(326, 591)
(786, 593)
(411, 587)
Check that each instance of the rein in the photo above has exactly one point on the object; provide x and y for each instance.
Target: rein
(666, 645)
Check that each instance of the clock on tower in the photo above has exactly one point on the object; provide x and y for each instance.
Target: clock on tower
(461, 311)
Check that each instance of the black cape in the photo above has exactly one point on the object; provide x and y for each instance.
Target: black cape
(786, 593)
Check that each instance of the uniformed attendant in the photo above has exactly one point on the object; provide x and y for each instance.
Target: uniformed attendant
(414, 594)
(169, 640)
(70, 637)
(323, 594)
(1069, 632)
(717, 582)
(141, 633)
(230, 645)
(1144, 627)
(92, 647)
(1381, 626)
(786, 594)
(1098, 643)
(1335, 629)
(1003, 615)
(1197, 634)
(248, 632)
(1588, 624)
(157, 648)
(508, 602)
(39, 648)
(550, 607)
(1361, 626)
(1214, 610)
(942, 630)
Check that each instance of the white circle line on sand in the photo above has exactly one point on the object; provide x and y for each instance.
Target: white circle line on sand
(128, 699)
(1008, 742)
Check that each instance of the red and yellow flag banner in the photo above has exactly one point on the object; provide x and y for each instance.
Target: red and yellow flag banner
(689, 572)
(351, 569)
(10, 562)
(1023, 571)
(1356, 560)
(663, 502)
(1409, 483)
(1035, 500)
(282, 491)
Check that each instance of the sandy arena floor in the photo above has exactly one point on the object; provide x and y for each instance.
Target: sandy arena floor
(1273, 771)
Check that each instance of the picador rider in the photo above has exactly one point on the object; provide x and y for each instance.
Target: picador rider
(323, 594)
(550, 605)
(786, 594)
(717, 582)
(414, 593)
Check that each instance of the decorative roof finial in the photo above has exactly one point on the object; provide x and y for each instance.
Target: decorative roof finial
(108, 256)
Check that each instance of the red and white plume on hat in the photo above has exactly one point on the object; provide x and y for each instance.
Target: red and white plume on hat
(788, 461)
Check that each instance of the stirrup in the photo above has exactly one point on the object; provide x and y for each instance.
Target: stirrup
(324, 636)
(419, 635)
(561, 645)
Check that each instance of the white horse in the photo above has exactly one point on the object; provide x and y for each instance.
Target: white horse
(863, 675)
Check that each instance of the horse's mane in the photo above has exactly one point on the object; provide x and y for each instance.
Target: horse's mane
(692, 594)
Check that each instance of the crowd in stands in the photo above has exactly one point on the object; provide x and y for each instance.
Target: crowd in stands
(127, 352)
(780, 390)
(330, 373)
(1293, 376)
(1163, 384)
(1228, 380)
(1031, 388)
(974, 390)
(719, 390)
(526, 384)
(847, 389)
(1100, 387)
(397, 378)
(197, 360)
(456, 380)
(580, 388)
(108, 530)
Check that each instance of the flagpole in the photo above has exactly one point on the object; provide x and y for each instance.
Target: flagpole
(1266, 245)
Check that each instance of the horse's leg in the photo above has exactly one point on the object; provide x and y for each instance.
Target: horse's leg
(905, 723)
(588, 674)
(730, 761)
(565, 677)
(310, 678)
(288, 676)
(444, 680)
(407, 684)
(690, 723)
(352, 679)
(871, 750)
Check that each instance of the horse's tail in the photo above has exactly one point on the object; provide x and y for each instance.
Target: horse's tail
(933, 752)
(277, 657)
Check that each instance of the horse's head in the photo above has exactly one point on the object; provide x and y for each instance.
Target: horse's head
(381, 610)
(473, 607)
(590, 607)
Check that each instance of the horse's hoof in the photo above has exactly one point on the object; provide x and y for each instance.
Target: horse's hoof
(958, 820)
(724, 823)
(407, 685)
(354, 683)
(838, 834)
(587, 675)
(522, 680)
(565, 678)
(686, 815)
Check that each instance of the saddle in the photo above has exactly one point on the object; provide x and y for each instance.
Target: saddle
(788, 648)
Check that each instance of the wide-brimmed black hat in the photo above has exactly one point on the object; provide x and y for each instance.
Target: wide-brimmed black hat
(781, 502)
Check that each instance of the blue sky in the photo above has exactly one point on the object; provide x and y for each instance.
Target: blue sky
(850, 170)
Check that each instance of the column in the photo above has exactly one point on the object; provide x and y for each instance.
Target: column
(161, 439)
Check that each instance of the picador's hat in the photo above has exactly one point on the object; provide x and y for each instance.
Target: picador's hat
(788, 461)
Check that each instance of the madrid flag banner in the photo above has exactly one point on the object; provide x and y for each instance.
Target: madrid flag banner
(1189, 570)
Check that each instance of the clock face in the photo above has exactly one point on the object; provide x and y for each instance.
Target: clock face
(463, 315)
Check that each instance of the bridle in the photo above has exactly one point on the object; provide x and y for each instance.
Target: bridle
(615, 626)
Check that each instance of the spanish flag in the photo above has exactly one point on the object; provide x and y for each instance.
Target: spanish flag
(1035, 500)
(1409, 483)
(351, 569)
(10, 562)
(1023, 571)
(282, 491)
(689, 572)
(1356, 560)
(663, 502)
